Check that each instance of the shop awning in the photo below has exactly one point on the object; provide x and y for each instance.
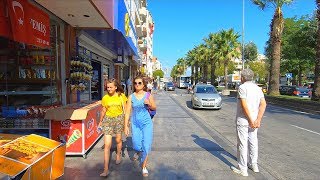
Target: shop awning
(84, 13)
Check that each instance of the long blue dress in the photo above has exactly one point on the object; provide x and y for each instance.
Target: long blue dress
(142, 127)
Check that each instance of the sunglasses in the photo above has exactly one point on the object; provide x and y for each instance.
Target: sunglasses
(136, 83)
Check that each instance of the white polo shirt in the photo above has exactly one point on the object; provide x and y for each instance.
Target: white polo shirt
(253, 95)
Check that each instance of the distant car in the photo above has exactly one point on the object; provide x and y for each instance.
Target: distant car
(169, 86)
(294, 91)
(205, 96)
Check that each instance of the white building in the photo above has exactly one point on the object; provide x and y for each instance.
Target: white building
(145, 41)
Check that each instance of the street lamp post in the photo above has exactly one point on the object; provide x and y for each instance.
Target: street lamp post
(242, 35)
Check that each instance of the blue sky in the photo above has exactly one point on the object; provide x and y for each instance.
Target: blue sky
(182, 24)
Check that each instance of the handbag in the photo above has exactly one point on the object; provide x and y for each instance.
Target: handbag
(151, 112)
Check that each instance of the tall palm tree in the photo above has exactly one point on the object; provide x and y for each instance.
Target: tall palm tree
(181, 62)
(190, 61)
(209, 42)
(276, 26)
(316, 88)
(227, 48)
(203, 59)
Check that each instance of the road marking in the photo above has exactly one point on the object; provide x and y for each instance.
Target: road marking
(305, 129)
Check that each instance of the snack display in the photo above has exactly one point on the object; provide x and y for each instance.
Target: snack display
(81, 70)
(31, 157)
(23, 151)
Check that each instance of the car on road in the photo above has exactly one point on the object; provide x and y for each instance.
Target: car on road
(169, 86)
(294, 91)
(205, 96)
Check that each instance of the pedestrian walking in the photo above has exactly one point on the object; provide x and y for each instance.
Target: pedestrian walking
(141, 123)
(112, 121)
(149, 86)
(251, 106)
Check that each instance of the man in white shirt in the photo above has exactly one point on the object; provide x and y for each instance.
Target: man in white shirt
(251, 106)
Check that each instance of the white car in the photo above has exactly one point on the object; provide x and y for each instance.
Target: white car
(205, 97)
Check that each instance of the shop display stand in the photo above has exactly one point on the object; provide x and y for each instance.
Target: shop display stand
(27, 78)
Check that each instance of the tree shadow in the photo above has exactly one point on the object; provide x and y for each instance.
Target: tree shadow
(214, 148)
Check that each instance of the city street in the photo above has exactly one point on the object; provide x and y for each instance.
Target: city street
(201, 144)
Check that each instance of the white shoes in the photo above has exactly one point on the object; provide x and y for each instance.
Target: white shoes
(145, 172)
(254, 168)
(238, 171)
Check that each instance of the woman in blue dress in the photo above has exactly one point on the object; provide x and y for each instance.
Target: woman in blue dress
(141, 123)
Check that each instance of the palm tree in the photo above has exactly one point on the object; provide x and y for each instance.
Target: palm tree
(276, 26)
(181, 62)
(202, 52)
(209, 42)
(191, 61)
(227, 48)
(316, 88)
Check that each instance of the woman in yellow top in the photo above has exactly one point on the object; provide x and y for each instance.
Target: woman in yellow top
(112, 120)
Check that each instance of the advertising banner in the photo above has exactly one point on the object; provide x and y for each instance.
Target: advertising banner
(5, 30)
(69, 132)
(91, 126)
(29, 24)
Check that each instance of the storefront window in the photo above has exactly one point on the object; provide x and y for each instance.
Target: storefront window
(28, 78)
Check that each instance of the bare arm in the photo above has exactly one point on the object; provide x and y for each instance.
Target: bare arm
(246, 111)
(102, 114)
(127, 115)
(152, 104)
(262, 108)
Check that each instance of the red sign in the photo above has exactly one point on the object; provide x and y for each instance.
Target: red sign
(29, 24)
(69, 132)
(91, 126)
(4, 20)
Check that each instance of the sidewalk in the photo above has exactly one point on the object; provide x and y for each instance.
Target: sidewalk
(183, 148)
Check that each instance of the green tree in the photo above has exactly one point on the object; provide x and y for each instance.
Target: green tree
(227, 48)
(174, 72)
(316, 89)
(259, 69)
(276, 27)
(250, 52)
(298, 46)
(158, 72)
(211, 46)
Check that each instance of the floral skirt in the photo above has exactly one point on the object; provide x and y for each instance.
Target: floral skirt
(113, 125)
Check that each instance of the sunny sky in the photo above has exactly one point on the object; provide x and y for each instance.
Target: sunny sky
(182, 24)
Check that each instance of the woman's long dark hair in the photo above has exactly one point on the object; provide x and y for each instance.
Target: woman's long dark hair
(144, 82)
(119, 89)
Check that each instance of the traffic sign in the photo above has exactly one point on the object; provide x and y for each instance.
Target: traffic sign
(289, 75)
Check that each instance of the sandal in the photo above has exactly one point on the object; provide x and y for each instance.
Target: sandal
(104, 174)
(118, 161)
(145, 172)
(136, 156)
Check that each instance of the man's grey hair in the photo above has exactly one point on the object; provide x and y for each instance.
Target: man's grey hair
(247, 74)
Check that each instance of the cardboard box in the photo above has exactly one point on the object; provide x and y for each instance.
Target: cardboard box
(76, 111)
(32, 157)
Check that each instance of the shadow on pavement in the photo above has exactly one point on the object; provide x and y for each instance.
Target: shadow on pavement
(214, 149)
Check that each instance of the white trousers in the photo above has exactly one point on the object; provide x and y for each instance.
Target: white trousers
(247, 146)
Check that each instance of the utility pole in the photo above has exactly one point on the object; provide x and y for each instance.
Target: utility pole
(242, 34)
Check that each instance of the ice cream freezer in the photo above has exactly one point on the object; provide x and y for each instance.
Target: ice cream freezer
(76, 125)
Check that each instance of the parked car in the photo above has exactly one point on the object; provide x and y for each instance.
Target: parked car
(206, 97)
(294, 91)
(169, 86)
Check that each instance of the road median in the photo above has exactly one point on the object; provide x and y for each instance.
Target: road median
(303, 105)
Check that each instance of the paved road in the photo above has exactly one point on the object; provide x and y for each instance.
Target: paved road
(289, 140)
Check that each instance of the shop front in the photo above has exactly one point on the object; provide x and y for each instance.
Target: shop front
(30, 59)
